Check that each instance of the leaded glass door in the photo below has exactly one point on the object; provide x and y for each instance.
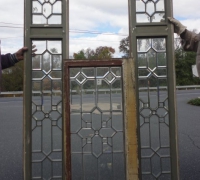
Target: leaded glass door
(152, 48)
(100, 133)
(46, 26)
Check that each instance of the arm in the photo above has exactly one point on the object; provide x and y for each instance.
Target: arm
(8, 60)
(189, 39)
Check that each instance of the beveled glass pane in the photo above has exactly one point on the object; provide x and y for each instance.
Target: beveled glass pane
(57, 7)
(89, 72)
(161, 60)
(160, 5)
(37, 62)
(158, 17)
(46, 62)
(144, 135)
(140, 6)
(142, 60)
(55, 19)
(159, 44)
(119, 166)
(46, 169)
(156, 165)
(97, 146)
(99, 138)
(47, 9)
(102, 71)
(56, 62)
(39, 19)
(37, 7)
(36, 86)
(143, 45)
(76, 166)
(118, 142)
(37, 134)
(75, 124)
(57, 169)
(117, 121)
(55, 75)
(55, 47)
(36, 170)
(56, 138)
(105, 164)
(150, 8)
(88, 96)
(96, 120)
(90, 170)
(142, 18)
(46, 137)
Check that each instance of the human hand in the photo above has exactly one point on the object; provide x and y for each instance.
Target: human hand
(20, 53)
(33, 50)
(178, 27)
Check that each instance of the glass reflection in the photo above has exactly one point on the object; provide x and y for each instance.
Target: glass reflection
(96, 93)
(150, 11)
(46, 12)
(47, 106)
(153, 103)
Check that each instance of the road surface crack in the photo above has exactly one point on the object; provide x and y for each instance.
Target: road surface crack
(193, 142)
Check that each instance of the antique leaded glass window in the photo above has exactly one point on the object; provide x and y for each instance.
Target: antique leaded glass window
(47, 110)
(96, 123)
(46, 11)
(148, 11)
(153, 108)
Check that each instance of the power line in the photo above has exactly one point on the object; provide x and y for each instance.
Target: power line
(77, 31)
(10, 23)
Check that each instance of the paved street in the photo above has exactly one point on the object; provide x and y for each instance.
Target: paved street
(11, 137)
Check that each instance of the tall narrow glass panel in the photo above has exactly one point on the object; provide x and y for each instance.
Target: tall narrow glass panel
(47, 110)
(153, 108)
(96, 123)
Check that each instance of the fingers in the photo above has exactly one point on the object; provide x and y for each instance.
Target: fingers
(33, 50)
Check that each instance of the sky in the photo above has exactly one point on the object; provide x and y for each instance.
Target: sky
(92, 23)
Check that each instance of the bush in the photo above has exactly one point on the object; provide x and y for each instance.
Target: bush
(195, 102)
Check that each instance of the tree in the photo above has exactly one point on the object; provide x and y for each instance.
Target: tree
(101, 52)
(124, 47)
(12, 78)
(183, 62)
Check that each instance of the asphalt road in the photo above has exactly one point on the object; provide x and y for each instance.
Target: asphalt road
(188, 130)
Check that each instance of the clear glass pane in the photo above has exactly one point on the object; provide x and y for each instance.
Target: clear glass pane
(46, 12)
(47, 108)
(97, 92)
(150, 8)
(39, 19)
(142, 18)
(37, 7)
(55, 19)
(160, 5)
(57, 7)
(153, 105)
(140, 6)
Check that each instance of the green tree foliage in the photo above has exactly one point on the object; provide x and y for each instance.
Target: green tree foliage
(124, 47)
(183, 62)
(101, 52)
(12, 78)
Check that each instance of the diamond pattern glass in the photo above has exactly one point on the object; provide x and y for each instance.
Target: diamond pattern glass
(153, 108)
(46, 110)
(96, 120)
(148, 11)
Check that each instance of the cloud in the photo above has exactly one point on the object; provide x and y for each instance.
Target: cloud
(92, 15)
